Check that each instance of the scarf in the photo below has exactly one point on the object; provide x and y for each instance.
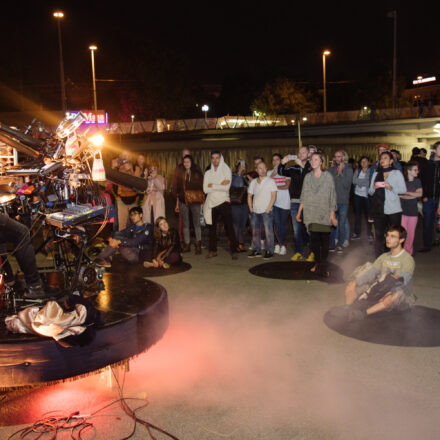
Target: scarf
(378, 199)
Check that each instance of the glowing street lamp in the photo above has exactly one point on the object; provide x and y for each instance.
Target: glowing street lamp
(205, 109)
(92, 49)
(59, 15)
(325, 54)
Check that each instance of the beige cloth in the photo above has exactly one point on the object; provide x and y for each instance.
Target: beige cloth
(51, 321)
(154, 199)
(217, 194)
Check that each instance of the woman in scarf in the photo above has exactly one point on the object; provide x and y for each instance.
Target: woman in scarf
(166, 246)
(154, 200)
(386, 185)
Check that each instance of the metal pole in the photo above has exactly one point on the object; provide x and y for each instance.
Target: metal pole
(63, 85)
(95, 105)
(325, 89)
(395, 62)
(300, 144)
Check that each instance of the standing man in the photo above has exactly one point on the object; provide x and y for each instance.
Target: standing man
(262, 193)
(430, 177)
(216, 184)
(296, 172)
(343, 176)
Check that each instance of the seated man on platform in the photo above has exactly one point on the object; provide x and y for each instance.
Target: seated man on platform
(384, 285)
(134, 243)
(16, 233)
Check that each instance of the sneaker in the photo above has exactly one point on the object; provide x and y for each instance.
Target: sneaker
(346, 243)
(283, 250)
(332, 249)
(311, 257)
(277, 249)
(103, 262)
(254, 254)
(355, 237)
(297, 257)
(370, 238)
(267, 255)
(36, 292)
(339, 249)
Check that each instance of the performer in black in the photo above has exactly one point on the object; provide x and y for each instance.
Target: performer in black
(16, 233)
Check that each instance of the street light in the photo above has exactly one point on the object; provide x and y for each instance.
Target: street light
(205, 109)
(325, 54)
(59, 15)
(92, 49)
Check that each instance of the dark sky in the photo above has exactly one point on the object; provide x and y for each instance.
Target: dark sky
(220, 38)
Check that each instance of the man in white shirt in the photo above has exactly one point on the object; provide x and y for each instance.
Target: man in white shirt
(281, 208)
(216, 184)
(262, 193)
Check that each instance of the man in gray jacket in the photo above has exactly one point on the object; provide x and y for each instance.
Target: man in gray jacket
(343, 175)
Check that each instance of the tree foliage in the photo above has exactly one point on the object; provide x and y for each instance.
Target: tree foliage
(283, 96)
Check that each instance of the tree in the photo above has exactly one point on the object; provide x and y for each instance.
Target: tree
(283, 96)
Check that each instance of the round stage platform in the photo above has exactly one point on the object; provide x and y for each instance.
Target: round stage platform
(135, 313)
(119, 266)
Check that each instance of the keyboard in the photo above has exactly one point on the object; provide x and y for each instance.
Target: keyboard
(77, 214)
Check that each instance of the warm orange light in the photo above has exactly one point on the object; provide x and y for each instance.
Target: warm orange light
(58, 14)
(326, 52)
(93, 47)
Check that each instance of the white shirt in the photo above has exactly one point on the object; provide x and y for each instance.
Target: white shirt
(262, 193)
(283, 196)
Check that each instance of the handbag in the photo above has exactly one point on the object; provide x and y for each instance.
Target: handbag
(192, 196)
(238, 195)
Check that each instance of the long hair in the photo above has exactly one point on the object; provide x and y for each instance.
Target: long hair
(408, 166)
(157, 234)
(360, 160)
(323, 161)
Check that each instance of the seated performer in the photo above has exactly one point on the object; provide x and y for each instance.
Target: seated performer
(166, 246)
(133, 243)
(384, 285)
(16, 233)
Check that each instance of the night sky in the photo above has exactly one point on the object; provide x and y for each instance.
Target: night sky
(217, 39)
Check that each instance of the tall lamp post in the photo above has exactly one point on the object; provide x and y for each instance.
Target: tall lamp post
(205, 109)
(92, 49)
(59, 15)
(393, 14)
(324, 54)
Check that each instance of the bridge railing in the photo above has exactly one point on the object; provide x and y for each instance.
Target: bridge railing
(239, 122)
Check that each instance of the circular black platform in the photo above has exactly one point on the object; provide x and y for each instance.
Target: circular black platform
(119, 266)
(296, 270)
(416, 327)
(135, 312)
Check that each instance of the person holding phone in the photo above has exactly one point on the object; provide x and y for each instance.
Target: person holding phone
(386, 210)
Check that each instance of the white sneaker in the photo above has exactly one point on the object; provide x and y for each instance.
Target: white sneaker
(346, 243)
(277, 249)
(283, 250)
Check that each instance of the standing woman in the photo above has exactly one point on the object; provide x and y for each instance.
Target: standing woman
(154, 200)
(361, 182)
(410, 213)
(386, 184)
(190, 198)
(318, 201)
(140, 166)
(239, 206)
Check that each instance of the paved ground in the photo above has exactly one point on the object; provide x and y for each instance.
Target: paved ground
(250, 358)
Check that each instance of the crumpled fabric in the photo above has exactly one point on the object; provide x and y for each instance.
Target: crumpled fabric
(51, 321)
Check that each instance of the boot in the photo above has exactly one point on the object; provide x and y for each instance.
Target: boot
(199, 248)
(186, 248)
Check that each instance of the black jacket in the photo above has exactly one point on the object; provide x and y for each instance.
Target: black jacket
(296, 174)
(133, 236)
(430, 177)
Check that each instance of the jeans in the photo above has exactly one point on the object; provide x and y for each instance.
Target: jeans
(195, 209)
(361, 206)
(340, 231)
(380, 225)
(130, 254)
(224, 211)
(429, 209)
(240, 215)
(298, 228)
(258, 222)
(18, 234)
(279, 220)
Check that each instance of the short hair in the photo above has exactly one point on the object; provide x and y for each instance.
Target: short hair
(415, 151)
(276, 154)
(424, 150)
(361, 159)
(400, 229)
(137, 209)
(395, 151)
(436, 145)
(344, 153)
(258, 158)
(215, 152)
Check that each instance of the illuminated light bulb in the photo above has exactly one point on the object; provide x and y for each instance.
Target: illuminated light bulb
(97, 140)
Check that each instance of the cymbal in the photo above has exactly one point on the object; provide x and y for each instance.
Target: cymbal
(6, 198)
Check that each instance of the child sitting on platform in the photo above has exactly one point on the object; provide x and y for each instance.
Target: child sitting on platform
(166, 246)
(134, 243)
